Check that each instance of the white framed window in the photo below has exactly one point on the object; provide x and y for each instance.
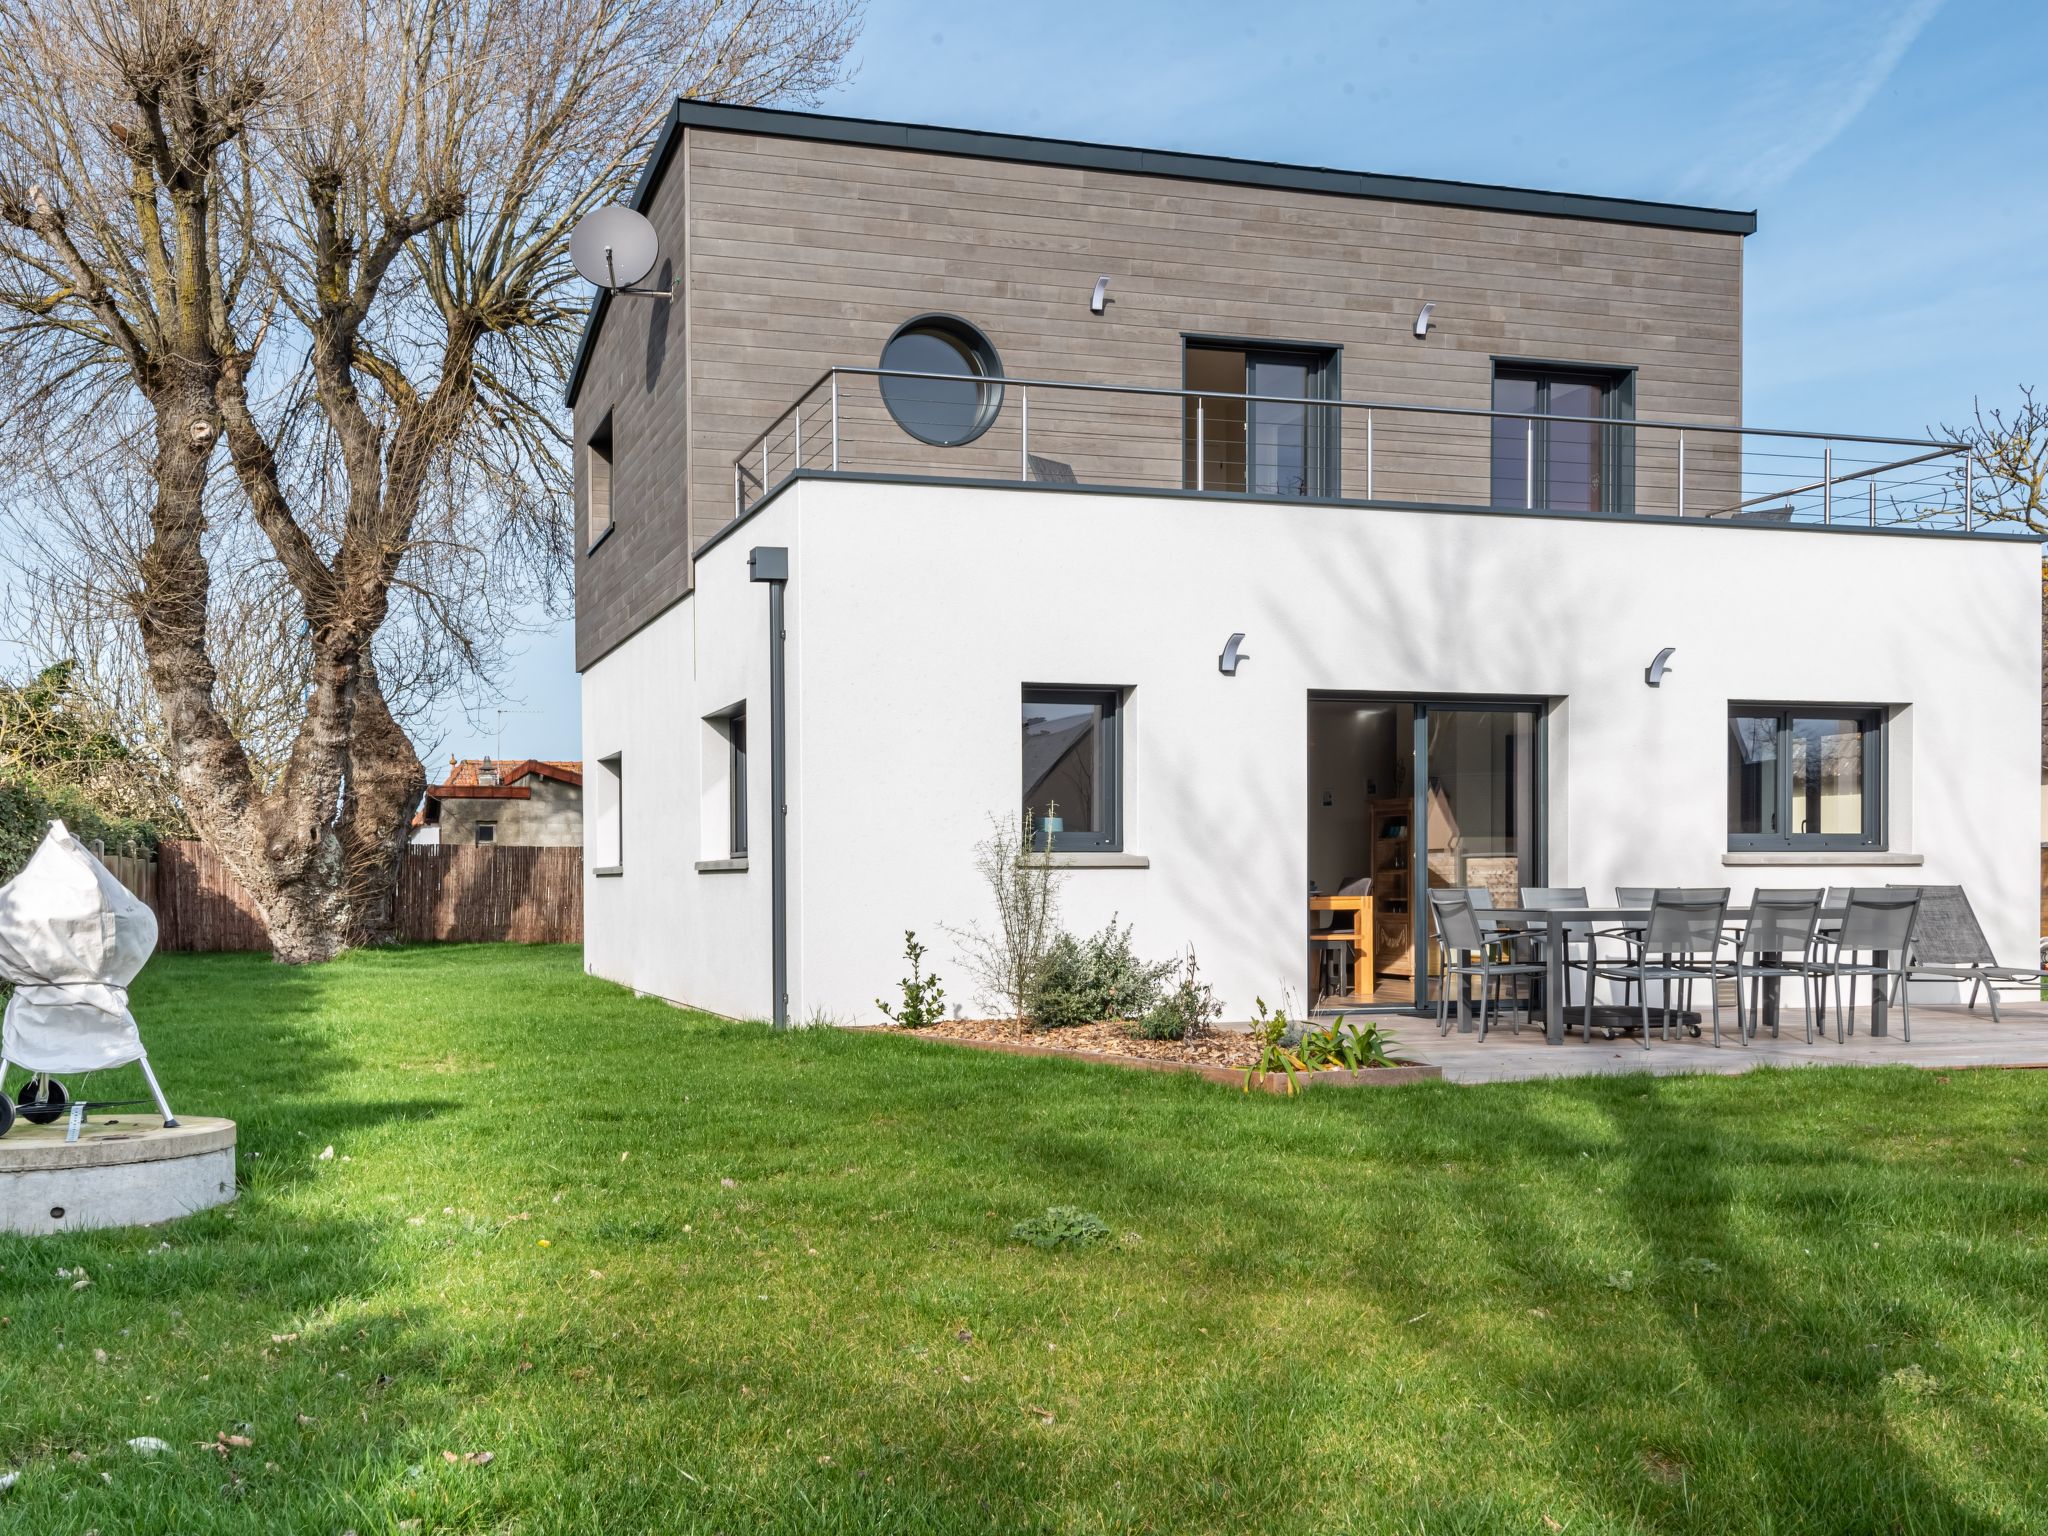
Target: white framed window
(486, 833)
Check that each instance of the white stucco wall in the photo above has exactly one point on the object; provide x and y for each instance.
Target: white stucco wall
(918, 612)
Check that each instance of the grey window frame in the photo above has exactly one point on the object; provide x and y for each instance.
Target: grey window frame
(736, 780)
(477, 840)
(1875, 726)
(1110, 777)
(988, 383)
(1618, 449)
(1324, 446)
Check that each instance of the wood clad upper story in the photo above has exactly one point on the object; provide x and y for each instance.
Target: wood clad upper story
(793, 243)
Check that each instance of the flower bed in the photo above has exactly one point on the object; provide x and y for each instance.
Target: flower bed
(1220, 1055)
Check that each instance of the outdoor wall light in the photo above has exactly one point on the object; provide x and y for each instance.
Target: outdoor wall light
(1227, 662)
(1653, 674)
(1422, 321)
(1099, 299)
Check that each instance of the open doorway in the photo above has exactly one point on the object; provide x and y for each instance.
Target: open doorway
(1377, 845)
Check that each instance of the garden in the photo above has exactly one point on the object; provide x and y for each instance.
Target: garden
(518, 1252)
(1057, 992)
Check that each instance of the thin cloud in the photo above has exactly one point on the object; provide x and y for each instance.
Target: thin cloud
(1814, 106)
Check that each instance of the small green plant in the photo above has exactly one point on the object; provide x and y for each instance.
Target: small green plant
(1342, 1045)
(1269, 1034)
(1062, 1226)
(924, 1000)
(1187, 1009)
(1083, 981)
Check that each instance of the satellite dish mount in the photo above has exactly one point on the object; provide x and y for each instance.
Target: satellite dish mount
(614, 248)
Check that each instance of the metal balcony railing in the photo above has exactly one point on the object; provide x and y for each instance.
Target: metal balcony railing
(1134, 437)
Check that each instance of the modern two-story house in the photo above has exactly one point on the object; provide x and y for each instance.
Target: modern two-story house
(1284, 538)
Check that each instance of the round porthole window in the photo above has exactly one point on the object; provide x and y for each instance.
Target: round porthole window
(961, 390)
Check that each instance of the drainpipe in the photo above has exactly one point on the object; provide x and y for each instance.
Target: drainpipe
(771, 564)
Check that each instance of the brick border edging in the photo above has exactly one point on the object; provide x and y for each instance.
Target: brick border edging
(1273, 1082)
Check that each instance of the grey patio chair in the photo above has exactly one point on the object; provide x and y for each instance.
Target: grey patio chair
(1678, 945)
(1949, 945)
(1778, 944)
(1470, 951)
(1875, 920)
(1577, 936)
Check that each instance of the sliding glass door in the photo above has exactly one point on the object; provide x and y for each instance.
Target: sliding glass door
(1410, 795)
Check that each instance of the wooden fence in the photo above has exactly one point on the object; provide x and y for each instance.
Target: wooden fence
(449, 895)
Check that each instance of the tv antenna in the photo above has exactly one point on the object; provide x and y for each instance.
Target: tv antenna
(614, 248)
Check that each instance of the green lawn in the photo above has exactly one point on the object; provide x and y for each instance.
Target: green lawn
(683, 1275)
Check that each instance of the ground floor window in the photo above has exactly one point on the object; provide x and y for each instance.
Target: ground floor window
(736, 738)
(607, 835)
(1073, 767)
(1805, 776)
(486, 832)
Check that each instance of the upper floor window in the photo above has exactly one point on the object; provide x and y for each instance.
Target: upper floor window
(597, 483)
(486, 833)
(1805, 777)
(1277, 444)
(1585, 464)
(960, 394)
(1073, 767)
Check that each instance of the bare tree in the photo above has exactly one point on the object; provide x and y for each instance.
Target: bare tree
(2009, 463)
(304, 262)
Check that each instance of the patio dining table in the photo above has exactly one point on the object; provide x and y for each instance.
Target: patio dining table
(1551, 922)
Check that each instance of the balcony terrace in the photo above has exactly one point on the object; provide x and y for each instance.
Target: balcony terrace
(948, 427)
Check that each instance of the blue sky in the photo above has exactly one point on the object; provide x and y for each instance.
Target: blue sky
(1891, 148)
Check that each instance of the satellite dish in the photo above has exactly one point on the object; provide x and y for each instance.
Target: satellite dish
(613, 247)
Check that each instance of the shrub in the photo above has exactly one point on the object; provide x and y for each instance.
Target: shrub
(1187, 1009)
(1062, 1226)
(1082, 981)
(1025, 884)
(28, 805)
(924, 1000)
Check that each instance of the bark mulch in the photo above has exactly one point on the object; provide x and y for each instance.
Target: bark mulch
(1212, 1048)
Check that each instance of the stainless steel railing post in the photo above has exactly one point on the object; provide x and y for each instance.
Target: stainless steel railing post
(1969, 492)
(1681, 474)
(1529, 463)
(835, 420)
(1827, 484)
(1200, 452)
(1368, 455)
(1024, 434)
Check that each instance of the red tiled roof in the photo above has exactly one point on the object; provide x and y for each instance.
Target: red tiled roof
(467, 770)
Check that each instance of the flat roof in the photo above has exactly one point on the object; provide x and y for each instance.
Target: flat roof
(974, 143)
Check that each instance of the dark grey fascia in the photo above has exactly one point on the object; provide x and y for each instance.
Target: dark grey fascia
(1074, 154)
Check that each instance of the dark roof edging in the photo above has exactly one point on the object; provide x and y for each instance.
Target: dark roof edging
(776, 122)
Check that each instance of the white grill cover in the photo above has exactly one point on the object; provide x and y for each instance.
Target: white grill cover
(71, 939)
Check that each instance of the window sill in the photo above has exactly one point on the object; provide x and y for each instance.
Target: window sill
(598, 543)
(1079, 860)
(721, 866)
(1758, 857)
(609, 871)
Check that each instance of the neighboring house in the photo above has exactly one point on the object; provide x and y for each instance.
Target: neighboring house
(525, 804)
(995, 446)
